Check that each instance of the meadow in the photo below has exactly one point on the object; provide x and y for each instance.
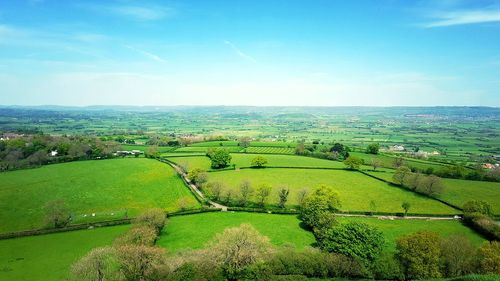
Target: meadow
(458, 192)
(49, 257)
(194, 231)
(242, 160)
(180, 233)
(107, 188)
(355, 190)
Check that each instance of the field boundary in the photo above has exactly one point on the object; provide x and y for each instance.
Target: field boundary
(82, 226)
(419, 193)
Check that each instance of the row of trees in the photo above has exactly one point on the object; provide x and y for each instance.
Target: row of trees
(34, 150)
(427, 184)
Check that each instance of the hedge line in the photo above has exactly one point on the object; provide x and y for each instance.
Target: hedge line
(64, 229)
(414, 191)
(193, 211)
(262, 210)
(483, 225)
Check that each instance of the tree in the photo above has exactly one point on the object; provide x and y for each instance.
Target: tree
(300, 148)
(418, 255)
(373, 148)
(246, 192)
(353, 239)
(401, 175)
(239, 247)
(138, 235)
(197, 176)
(152, 152)
(406, 207)
(398, 162)
(376, 163)
(229, 196)
(301, 196)
(259, 162)
(263, 192)
(220, 158)
(431, 185)
(341, 150)
(215, 189)
(98, 265)
(322, 200)
(457, 256)
(139, 262)
(283, 196)
(244, 142)
(478, 206)
(154, 218)
(57, 213)
(353, 162)
(489, 258)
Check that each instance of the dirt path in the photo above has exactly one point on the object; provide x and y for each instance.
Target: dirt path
(194, 188)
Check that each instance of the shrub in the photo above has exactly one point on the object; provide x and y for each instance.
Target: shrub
(418, 255)
(352, 239)
(353, 162)
(154, 218)
(478, 206)
(258, 162)
(489, 258)
(99, 264)
(138, 235)
(322, 199)
(457, 256)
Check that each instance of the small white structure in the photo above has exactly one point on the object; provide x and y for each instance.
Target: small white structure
(53, 153)
(397, 147)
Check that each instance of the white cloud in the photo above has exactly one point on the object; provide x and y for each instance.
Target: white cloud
(239, 52)
(142, 13)
(147, 54)
(452, 18)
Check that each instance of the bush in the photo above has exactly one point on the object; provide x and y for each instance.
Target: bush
(489, 258)
(154, 218)
(457, 256)
(418, 255)
(322, 199)
(138, 235)
(352, 239)
(478, 206)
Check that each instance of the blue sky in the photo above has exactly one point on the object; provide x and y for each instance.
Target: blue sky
(232, 52)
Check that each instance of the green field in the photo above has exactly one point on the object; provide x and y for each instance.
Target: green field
(245, 160)
(458, 192)
(388, 160)
(205, 148)
(270, 150)
(143, 148)
(193, 231)
(393, 229)
(49, 257)
(355, 189)
(107, 188)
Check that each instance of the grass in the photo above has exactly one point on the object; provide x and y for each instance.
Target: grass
(355, 189)
(270, 150)
(388, 160)
(393, 229)
(180, 233)
(194, 231)
(206, 148)
(458, 192)
(105, 187)
(143, 148)
(244, 160)
(48, 257)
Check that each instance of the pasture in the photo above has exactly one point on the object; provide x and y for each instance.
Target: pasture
(355, 190)
(194, 231)
(242, 160)
(269, 150)
(458, 192)
(49, 257)
(107, 188)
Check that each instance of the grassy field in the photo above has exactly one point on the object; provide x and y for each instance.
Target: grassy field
(270, 150)
(105, 187)
(388, 160)
(143, 148)
(194, 231)
(355, 189)
(180, 234)
(457, 192)
(393, 229)
(244, 160)
(48, 257)
(205, 148)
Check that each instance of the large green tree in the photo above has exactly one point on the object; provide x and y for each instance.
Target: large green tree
(418, 255)
(322, 200)
(220, 158)
(354, 239)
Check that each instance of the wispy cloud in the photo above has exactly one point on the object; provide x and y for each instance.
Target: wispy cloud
(443, 19)
(142, 13)
(146, 54)
(239, 52)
